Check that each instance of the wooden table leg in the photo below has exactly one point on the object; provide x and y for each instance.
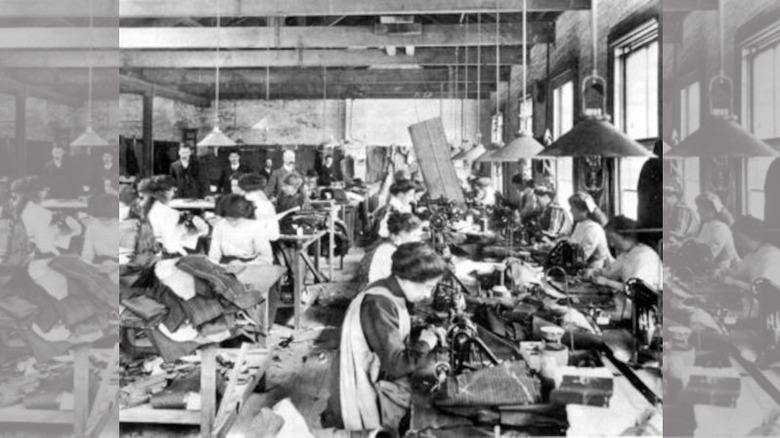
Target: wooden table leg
(208, 389)
(331, 245)
(264, 308)
(80, 390)
(317, 254)
(297, 286)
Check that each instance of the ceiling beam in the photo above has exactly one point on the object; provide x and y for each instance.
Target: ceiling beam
(175, 77)
(294, 8)
(337, 91)
(304, 58)
(689, 5)
(133, 85)
(50, 59)
(327, 37)
(59, 38)
(12, 86)
(62, 8)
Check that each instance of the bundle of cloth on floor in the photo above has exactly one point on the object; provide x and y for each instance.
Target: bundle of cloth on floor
(190, 301)
(57, 302)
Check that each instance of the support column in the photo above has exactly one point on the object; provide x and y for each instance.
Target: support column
(147, 159)
(20, 134)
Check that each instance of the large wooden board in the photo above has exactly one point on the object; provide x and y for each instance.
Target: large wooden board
(433, 155)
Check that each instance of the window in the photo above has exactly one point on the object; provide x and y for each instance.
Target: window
(756, 176)
(761, 83)
(564, 176)
(690, 111)
(563, 109)
(636, 81)
(691, 184)
(527, 110)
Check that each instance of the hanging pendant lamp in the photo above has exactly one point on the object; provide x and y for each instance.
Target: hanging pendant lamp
(471, 155)
(89, 138)
(217, 138)
(594, 135)
(524, 145)
(719, 134)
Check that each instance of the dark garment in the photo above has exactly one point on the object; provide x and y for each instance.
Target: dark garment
(201, 310)
(101, 175)
(276, 181)
(59, 180)
(266, 173)
(554, 221)
(329, 175)
(223, 283)
(227, 173)
(188, 181)
(88, 278)
(286, 202)
(381, 321)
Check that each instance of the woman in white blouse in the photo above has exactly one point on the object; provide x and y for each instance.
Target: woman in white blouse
(237, 236)
(588, 230)
(48, 238)
(101, 240)
(715, 230)
(634, 259)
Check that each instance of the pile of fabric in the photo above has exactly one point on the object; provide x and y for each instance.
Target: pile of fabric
(182, 303)
(57, 302)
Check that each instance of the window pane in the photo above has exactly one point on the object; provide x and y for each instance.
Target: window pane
(630, 168)
(567, 107)
(756, 177)
(763, 94)
(691, 110)
(692, 186)
(636, 94)
(565, 180)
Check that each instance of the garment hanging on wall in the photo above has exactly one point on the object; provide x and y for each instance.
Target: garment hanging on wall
(772, 200)
(357, 152)
(376, 164)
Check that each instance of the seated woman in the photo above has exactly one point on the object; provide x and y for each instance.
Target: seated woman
(237, 236)
(634, 259)
(376, 356)
(402, 198)
(553, 220)
(290, 197)
(715, 232)
(376, 264)
(101, 240)
(588, 230)
(484, 194)
(175, 237)
(49, 236)
(760, 259)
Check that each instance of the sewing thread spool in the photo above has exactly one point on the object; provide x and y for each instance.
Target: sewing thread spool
(554, 354)
(679, 354)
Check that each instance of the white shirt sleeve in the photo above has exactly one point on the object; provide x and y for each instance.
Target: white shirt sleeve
(265, 213)
(88, 251)
(215, 249)
(381, 265)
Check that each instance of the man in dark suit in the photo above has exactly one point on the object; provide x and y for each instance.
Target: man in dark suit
(58, 176)
(103, 175)
(234, 167)
(267, 169)
(184, 172)
(329, 173)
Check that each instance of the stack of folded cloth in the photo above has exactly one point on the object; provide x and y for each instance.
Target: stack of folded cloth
(188, 302)
(59, 302)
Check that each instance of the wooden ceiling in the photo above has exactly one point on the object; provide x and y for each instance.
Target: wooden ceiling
(277, 49)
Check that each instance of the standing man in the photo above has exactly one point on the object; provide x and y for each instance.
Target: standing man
(279, 175)
(57, 174)
(104, 175)
(233, 169)
(267, 169)
(329, 173)
(186, 176)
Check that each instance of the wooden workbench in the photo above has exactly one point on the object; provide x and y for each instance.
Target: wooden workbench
(213, 420)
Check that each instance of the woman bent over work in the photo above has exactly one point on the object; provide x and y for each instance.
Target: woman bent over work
(376, 356)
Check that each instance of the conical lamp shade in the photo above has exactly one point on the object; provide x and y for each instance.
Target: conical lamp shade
(89, 138)
(523, 146)
(470, 154)
(216, 139)
(721, 137)
(595, 137)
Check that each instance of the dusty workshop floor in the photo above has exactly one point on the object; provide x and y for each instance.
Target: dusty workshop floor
(300, 371)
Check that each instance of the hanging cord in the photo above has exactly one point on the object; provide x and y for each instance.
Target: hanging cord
(721, 26)
(466, 84)
(219, 43)
(89, 88)
(594, 42)
(525, 68)
(324, 100)
(479, 78)
(498, 59)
